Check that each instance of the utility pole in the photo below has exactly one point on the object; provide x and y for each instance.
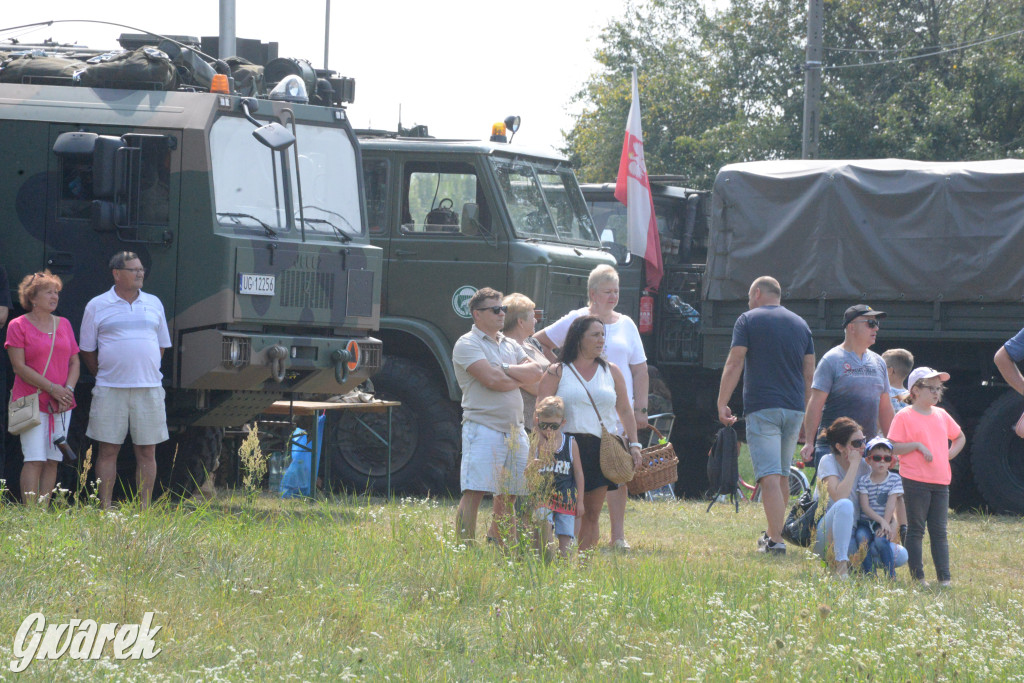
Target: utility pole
(327, 33)
(226, 43)
(812, 78)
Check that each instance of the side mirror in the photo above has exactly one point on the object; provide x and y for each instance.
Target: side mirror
(275, 136)
(109, 176)
(107, 216)
(470, 222)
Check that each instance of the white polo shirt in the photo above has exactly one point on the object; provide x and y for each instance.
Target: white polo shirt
(129, 337)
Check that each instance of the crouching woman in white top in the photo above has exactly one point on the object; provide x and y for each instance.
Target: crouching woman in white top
(581, 369)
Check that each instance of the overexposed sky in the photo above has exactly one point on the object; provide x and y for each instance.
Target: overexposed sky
(455, 65)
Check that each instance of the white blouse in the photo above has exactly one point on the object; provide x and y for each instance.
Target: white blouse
(579, 411)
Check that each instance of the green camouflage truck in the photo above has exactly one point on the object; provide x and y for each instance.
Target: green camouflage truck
(452, 216)
(247, 214)
(937, 246)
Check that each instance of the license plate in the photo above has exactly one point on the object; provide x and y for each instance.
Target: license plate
(255, 284)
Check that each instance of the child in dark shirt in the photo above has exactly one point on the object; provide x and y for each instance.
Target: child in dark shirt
(556, 458)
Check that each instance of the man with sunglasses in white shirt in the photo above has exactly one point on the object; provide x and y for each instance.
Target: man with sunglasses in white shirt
(850, 381)
(490, 369)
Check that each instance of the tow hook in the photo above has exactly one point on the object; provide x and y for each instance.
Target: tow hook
(277, 354)
(341, 358)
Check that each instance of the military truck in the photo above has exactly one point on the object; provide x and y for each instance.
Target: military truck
(934, 245)
(247, 213)
(452, 216)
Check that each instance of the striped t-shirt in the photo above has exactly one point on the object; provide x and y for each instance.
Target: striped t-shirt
(878, 494)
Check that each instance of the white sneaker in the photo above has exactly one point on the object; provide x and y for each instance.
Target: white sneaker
(621, 544)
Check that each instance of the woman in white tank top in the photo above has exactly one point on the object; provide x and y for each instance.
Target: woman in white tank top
(582, 366)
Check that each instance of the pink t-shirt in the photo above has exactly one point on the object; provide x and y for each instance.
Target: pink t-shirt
(22, 334)
(935, 431)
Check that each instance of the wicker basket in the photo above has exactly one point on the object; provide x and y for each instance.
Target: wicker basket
(659, 466)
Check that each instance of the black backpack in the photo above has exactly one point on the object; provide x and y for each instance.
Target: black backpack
(723, 466)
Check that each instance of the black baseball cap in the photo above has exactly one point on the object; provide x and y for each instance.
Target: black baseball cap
(857, 311)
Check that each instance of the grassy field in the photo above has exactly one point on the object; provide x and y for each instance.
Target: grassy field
(262, 589)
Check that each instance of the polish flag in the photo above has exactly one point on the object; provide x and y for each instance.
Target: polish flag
(633, 189)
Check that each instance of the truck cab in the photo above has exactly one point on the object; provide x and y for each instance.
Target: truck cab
(452, 216)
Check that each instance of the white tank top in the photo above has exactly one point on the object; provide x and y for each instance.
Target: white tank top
(579, 412)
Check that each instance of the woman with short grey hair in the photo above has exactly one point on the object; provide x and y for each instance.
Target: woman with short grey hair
(520, 324)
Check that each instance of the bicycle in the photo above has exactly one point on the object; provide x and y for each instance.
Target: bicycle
(798, 483)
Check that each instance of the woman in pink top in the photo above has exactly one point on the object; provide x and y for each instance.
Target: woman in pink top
(29, 339)
(921, 434)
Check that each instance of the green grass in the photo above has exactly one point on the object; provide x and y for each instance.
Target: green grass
(266, 589)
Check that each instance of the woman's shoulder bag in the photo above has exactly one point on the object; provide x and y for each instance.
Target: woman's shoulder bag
(23, 413)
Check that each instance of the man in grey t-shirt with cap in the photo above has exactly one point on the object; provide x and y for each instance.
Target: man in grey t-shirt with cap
(850, 381)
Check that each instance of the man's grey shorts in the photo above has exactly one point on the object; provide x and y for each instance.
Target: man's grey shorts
(114, 410)
(772, 434)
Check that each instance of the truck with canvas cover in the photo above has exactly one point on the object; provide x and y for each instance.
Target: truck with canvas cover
(247, 213)
(935, 245)
(453, 216)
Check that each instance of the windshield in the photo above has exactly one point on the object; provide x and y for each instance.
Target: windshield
(249, 187)
(610, 221)
(544, 201)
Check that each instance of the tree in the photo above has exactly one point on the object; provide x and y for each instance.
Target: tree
(724, 86)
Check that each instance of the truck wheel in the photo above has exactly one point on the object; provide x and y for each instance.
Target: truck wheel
(184, 461)
(997, 456)
(425, 434)
(963, 493)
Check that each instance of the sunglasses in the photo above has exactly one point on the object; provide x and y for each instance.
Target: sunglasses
(931, 387)
(871, 322)
(880, 458)
(496, 310)
(545, 426)
(856, 443)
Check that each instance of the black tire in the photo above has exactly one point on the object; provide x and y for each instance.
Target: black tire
(997, 456)
(963, 492)
(184, 461)
(425, 434)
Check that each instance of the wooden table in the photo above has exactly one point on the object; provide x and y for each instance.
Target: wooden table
(312, 409)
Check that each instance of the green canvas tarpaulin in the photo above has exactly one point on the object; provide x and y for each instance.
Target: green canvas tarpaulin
(875, 230)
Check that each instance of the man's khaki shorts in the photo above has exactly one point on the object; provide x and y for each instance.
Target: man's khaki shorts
(114, 410)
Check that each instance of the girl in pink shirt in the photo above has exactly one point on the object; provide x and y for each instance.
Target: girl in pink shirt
(921, 434)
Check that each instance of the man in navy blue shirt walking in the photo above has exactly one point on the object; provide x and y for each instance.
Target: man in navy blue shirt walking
(773, 350)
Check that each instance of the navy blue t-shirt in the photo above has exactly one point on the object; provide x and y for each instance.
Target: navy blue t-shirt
(773, 372)
(1015, 347)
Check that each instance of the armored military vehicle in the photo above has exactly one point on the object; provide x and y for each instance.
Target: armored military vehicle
(247, 213)
(453, 216)
(934, 245)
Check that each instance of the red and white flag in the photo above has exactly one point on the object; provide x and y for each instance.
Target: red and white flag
(633, 189)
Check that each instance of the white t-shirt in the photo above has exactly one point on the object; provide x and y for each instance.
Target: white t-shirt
(128, 336)
(622, 343)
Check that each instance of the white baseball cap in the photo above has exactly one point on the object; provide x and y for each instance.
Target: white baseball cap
(925, 373)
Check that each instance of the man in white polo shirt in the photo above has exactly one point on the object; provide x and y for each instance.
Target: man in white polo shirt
(123, 337)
